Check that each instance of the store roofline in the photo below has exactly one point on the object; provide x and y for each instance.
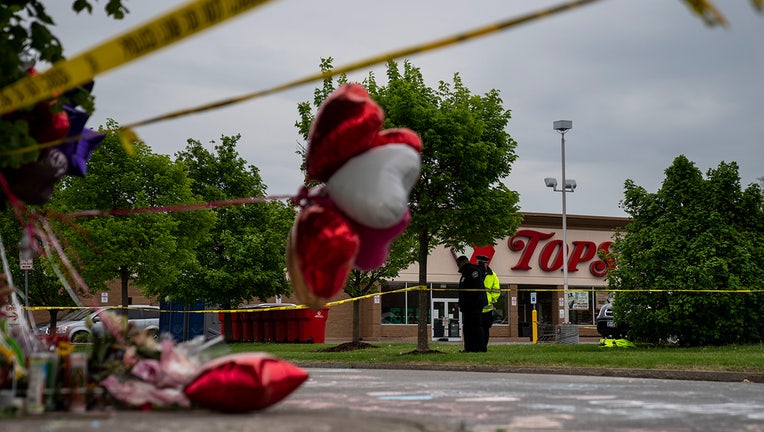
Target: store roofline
(554, 220)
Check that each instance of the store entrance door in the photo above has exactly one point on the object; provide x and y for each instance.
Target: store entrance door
(446, 320)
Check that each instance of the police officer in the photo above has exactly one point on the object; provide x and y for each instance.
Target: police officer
(492, 293)
(472, 299)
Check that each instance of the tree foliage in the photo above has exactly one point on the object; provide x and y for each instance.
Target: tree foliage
(27, 38)
(704, 235)
(41, 282)
(150, 249)
(460, 198)
(244, 256)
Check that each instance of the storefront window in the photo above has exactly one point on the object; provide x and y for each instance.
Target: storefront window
(400, 307)
(501, 313)
(601, 297)
(583, 306)
(412, 307)
(580, 307)
(403, 307)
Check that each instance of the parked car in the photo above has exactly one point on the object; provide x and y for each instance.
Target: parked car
(73, 326)
(267, 305)
(606, 325)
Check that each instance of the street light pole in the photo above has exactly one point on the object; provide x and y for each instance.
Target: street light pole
(563, 126)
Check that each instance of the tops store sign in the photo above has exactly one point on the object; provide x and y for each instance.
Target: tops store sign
(550, 258)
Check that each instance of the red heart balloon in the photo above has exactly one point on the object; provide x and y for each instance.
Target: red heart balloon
(375, 243)
(321, 252)
(346, 124)
(399, 136)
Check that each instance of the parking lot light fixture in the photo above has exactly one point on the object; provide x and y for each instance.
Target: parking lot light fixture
(568, 185)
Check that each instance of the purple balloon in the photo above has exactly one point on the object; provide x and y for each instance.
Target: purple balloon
(78, 152)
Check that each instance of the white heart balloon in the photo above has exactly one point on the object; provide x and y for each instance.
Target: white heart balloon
(373, 187)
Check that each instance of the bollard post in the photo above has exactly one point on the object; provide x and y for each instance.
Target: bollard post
(535, 326)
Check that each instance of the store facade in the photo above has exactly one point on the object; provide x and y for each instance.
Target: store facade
(529, 267)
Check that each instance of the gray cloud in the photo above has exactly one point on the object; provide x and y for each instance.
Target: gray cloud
(642, 81)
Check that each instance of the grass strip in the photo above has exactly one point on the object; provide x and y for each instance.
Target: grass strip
(731, 358)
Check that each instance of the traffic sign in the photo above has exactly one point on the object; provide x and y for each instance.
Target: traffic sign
(27, 264)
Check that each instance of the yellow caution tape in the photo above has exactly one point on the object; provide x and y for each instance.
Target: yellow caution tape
(161, 32)
(707, 12)
(354, 299)
(127, 137)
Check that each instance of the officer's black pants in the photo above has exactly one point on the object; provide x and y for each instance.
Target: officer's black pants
(473, 331)
(486, 323)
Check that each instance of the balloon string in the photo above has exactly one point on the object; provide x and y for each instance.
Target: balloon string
(52, 240)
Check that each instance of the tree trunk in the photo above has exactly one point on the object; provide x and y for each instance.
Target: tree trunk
(356, 321)
(53, 313)
(422, 338)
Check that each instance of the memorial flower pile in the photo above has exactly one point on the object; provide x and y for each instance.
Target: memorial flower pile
(128, 368)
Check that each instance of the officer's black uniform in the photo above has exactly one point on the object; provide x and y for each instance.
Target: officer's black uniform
(471, 301)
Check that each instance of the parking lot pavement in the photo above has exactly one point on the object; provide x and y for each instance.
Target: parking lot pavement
(385, 400)
(490, 401)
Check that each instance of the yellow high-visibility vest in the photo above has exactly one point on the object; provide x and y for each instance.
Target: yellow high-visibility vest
(492, 290)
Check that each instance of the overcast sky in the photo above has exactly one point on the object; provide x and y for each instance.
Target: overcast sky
(643, 82)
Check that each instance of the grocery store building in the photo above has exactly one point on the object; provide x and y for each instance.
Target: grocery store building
(529, 267)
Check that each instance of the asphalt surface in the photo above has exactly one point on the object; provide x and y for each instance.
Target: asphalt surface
(489, 401)
(390, 400)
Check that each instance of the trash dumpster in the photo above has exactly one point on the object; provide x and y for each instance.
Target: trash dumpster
(246, 326)
(280, 319)
(259, 325)
(236, 323)
(279, 325)
(312, 325)
(292, 326)
(269, 327)
(256, 323)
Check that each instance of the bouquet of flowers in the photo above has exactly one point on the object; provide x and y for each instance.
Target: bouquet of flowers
(139, 371)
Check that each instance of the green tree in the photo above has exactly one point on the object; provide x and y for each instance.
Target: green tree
(703, 235)
(41, 282)
(151, 249)
(244, 256)
(26, 38)
(460, 198)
